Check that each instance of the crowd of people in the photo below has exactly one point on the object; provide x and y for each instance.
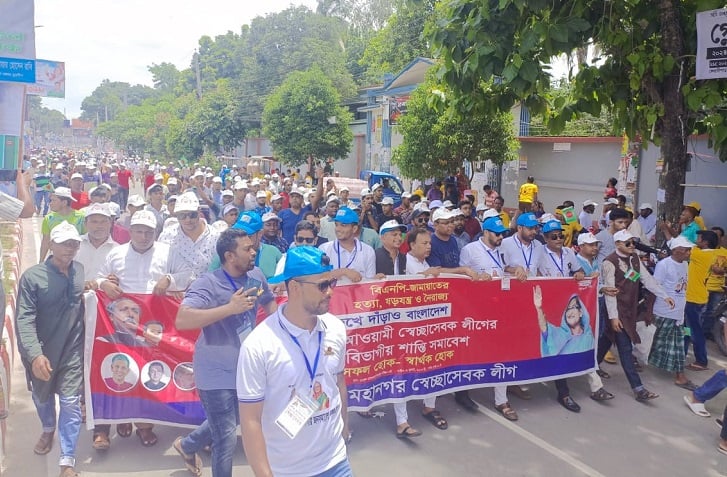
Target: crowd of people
(227, 241)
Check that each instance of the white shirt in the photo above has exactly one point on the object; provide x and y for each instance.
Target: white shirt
(195, 255)
(93, 258)
(362, 258)
(552, 264)
(585, 219)
(515, 254)
(672, 276)
(482, 258)
(271, 367)
(648, 226)
(414, 265)
(328, 228)
(140, 272)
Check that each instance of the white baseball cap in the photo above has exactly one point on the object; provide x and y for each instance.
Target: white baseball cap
(97, 209)
(271, 216)
(588, 202)
(680, 241)
(387, 201)
(376, 186)
(391, 225)
(333, 198)
(622, 236)
(276, 197)
(216, 179)
(646, 205)
(447, 204)
(587, 238)
(365, 192)
(64, 231)
(261, 195)
(158, 177)
(239, 185)
(489, 213)
(136, 200)
(611, 201)
(187, 202)
(406, 195)
(227, 193)
(59, 167)
(64, 192)
(76, 175)
(435, 204)
(442, 214)
(172, 180)
(341, 189)
(144, 217)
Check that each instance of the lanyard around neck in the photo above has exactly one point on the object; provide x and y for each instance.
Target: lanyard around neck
(311, 370)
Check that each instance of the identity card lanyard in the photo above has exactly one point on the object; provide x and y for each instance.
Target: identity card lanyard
(529, 259)
(560, 267)
(493, 257)
(300, 408)
(338, 252)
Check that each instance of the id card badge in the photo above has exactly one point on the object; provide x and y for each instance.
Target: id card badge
(632, 275)
(298, 411)
(505, 282)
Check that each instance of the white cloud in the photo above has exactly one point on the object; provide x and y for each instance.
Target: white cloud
(118, 39)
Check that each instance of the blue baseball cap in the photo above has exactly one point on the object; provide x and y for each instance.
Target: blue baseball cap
(494, 224)
(527, 220)
(551, 226)
(250, 222)
(301, 261)
(346, 216)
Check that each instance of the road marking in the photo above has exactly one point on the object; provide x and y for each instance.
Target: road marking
(565, 457)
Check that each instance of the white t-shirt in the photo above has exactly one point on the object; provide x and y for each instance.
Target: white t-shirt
(271, 367)
(672, 276)
(553, 265)
(585, 219)
(93, 258)
(515, 254)
(414, 265)
(482, 258)
(362, 258)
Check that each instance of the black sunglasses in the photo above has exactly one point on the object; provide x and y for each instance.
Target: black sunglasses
(322, 286)
(305, 239)
(187, 215)
(629, 243)
(556, 236)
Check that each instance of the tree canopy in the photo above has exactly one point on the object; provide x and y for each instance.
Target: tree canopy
(495, 53)
(303, 118)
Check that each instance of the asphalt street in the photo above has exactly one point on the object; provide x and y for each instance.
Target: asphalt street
(619, 437)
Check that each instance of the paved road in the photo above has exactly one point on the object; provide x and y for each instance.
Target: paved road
(621, 437)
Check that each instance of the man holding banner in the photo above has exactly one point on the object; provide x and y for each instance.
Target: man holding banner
(223, 305)
(285, 429)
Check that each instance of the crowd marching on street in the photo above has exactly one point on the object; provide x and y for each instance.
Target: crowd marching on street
(228, 242)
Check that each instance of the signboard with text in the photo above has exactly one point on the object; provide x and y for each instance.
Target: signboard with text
(712, 44)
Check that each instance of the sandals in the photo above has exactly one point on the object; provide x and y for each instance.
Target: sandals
(192, 462)
(435, 417)
(601, 395)
(101, 441)
(44, 444)
(67, 471)
(124, 430)
(610, 358)
(696, 407)
(696, 367)
(147, 437)
(645, 395)
(689, 386)
(408, 432)
(507, 411)
(603, 374)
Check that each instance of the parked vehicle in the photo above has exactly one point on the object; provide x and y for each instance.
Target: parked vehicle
(392, 184)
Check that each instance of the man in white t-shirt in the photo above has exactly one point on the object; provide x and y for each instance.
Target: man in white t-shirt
(667, 349)
(290, 382)
(585, 218)
(352, 260)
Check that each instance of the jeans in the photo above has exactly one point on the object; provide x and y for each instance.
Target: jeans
(197, 439)
(221, 407)
(42, 197)
(69, 423)
(342, 469)
(625, 353)
(693, 315)
(123, 197)
(723, 432)
(711, 387)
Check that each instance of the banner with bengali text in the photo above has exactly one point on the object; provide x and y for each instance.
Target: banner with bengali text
(414, 337)
(138, 366)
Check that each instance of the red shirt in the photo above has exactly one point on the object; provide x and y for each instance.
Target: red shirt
(148, 181)
(120, 234)
(82, 200)
(124, 176)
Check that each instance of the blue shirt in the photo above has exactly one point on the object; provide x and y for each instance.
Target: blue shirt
(444, 254)
(288, 221)
(218, 345)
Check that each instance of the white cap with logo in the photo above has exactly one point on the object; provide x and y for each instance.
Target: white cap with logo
(63, 232)
(144, 217)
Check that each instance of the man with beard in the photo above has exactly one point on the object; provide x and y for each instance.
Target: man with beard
(223, 305)
(328, 224)
(352, 259)
(271, 232)
(283, 361)
(50, 329)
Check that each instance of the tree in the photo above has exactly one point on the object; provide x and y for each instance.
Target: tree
(437, 140)
(303, 118)
(112, 97)
(645, 76)
(165, 75)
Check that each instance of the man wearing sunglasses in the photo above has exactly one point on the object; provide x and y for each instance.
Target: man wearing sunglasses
(622, 269)
(192, 241)
(285, 365)
(521, 252)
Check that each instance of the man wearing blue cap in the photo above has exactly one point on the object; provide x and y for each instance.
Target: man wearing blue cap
(290, 382)
(521, 252)
(483, 256)
(351, 259)
(268, 256)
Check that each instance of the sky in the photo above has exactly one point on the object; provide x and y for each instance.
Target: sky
(118, 39)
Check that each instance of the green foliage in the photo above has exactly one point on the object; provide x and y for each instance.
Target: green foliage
(644, 77)
(438, 139)
(112, 97)
(298, 115)
(44, 120)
